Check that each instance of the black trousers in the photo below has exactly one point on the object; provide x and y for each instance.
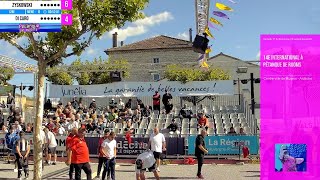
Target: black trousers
(200, 163)
(22, 165)
(110, 165)
(71, 169)
(156, 107)
(101, 162)
(86, 168)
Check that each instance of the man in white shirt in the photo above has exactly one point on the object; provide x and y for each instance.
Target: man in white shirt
(73, 123)
(158, 145)
(120, 104)
(109, 151)
(145, 161)
(52, 146)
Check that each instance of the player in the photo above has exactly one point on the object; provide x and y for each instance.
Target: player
(145, 161)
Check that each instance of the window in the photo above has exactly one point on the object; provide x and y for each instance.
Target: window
(156, 60)
(156, 76)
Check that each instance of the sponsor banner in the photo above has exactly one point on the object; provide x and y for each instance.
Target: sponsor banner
(138, 145)
(140, 89)
(225, 145)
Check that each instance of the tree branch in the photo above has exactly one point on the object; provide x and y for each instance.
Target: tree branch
(21, 49)
(58, 54)
(35, 46)
(83, 47)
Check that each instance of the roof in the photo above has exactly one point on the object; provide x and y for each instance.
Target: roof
(237, 59)
(158, 42)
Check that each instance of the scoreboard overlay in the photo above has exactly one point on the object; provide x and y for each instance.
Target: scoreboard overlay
(34, 16)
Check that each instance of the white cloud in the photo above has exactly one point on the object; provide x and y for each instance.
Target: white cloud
(140, 26)
(258, 56)
(184, 36)
(91, 51)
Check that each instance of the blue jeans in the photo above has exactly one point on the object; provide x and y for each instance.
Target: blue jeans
(109, 165)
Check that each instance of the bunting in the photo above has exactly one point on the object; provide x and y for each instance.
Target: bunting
(220, 14)
(207, 31)
(216, 21)
(223, 7)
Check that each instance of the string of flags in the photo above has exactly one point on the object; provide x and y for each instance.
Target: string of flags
(214, 24)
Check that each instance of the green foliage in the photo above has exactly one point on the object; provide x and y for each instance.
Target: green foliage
(87, 76)
(186, 74)
(6, 74)
(59, 78)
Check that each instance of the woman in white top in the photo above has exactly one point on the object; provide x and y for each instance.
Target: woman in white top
(109, 150)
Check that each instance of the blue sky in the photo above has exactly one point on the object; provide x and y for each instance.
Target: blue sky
(238, 37)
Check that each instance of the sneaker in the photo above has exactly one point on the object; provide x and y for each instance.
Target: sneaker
(26, 175)
(15, 170)
(200, 177)
(54, 163)
(158, 169)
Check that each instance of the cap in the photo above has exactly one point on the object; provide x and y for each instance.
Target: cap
(93, 100)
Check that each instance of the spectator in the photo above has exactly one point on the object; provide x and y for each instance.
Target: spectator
(48, 105)
(173, 127)
(17, 126)
(203, 122)
(166, 98)
(232, 131)
(242, 132)
(157, 142)
(185, 112)
(4, 129)
(9, 141)
(90, 127)
(10, 102)
(121, 105)
(156, 101)
(109, 150)
(61, 130)
(93, 105)
(22, 155)
(129, 132)
(52, 146)
(101, 158)
(168, 107)
(146, 112)
(112, 104)
(75, 103)
(128, 104)
(1, 118)
(140, 103)
(137, 113)
(78, 155)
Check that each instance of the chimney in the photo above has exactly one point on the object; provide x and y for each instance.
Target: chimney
(121, 43)
(115, 39)
(190, 35)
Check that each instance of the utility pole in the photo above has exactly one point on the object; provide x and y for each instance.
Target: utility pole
(239, 95)
(252, 94)
(21, 89)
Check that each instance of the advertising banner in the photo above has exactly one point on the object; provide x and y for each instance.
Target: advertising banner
(225, 145)
(140, 89)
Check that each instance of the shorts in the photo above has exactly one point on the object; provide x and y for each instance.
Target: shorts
(156, 155)
(150, 169)
(52, 150)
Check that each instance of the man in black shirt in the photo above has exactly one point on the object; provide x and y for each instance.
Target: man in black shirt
(166, 98)
(173, 127)
(200, 150)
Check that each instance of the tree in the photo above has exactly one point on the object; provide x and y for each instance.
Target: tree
(186, 74)
(91, 19)
(6, 74)
(98, 70)
(59, 78)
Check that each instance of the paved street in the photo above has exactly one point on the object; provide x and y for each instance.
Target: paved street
(211, 172)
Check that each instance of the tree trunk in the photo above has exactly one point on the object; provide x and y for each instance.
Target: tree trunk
(37, 150)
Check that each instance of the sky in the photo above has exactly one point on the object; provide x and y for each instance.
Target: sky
(239, 36)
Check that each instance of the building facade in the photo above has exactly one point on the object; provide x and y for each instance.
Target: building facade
(149, 58)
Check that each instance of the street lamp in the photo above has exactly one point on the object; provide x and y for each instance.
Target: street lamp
(240, 70)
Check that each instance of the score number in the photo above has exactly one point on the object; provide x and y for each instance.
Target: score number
(66, 19)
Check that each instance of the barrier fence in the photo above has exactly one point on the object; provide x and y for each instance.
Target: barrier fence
(216, 145)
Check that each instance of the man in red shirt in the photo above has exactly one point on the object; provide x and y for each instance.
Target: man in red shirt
(69, 139)
(128, 135)
(79, 153)
(102, 159)
(156, 101)
(203, 122)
